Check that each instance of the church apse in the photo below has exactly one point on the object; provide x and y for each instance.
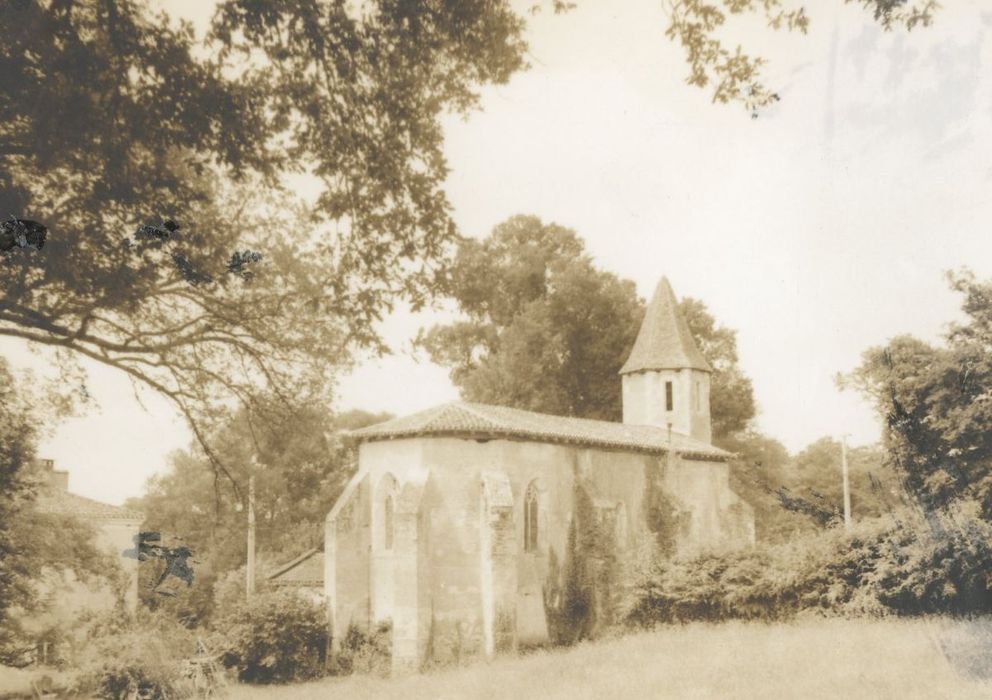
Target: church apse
(475, 530)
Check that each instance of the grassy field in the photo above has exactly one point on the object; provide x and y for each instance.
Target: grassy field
(810, 659)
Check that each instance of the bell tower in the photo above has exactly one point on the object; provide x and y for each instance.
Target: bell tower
(666, 379)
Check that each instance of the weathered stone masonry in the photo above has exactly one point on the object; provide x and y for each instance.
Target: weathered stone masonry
(477, 529)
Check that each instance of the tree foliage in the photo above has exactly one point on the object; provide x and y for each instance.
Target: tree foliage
(141, 657)
(276, 637)
(547, 331)
(936, 404)
(816, 475)
(36, 548)
(300, 466)
(798, 495)
(758, 474)
(113, 116)
(735, 74)
(893, 565)
(17, 444)
(731, 393)
(97, 95)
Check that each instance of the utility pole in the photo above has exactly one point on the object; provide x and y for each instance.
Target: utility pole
(847, 487)
(250, 583)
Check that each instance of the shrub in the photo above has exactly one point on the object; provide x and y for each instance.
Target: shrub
(365, 653)
(274, 638)
(141, 659)
(884, 566)
(947, 572)
(228, 591)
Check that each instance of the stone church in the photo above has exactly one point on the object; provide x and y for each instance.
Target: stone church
(472, 529)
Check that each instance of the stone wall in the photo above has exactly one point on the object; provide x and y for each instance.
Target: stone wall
(459, 582)
(645, 403)
(499, 563)
(412, 596)
(347, 537)
(711, 516)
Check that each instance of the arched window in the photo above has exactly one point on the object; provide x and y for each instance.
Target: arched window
(387, 522)
(530, 519)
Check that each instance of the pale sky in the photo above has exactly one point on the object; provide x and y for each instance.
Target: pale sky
(820, 229)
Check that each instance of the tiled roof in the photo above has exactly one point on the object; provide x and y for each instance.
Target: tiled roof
(664, 341)
(481, 420)
(65, 503)
(306, 570)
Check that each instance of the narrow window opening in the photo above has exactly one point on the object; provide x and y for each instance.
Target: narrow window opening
(530, 520)
(699, 392)
(669, 398)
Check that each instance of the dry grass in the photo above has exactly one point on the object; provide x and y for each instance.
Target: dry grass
(809, 659)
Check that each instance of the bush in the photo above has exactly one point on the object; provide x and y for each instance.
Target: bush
(365, 653)
(229, 590)
(883, 567)
(948, 572)
(275, 638)
(143, 659)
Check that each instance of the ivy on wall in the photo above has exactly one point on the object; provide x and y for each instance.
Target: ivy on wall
(664, 518)
(582, 594)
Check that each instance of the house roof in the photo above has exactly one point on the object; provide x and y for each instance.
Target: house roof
(664, 341)
(65, 503)
(484, 421)
(306, 570)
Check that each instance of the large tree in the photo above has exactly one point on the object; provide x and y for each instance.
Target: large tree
(816, 475)
(546, 330)
(113, 117)
(35, 547)
(300, 466)
(731, 393)
(17, 442)
(758, 474)
(936, 404)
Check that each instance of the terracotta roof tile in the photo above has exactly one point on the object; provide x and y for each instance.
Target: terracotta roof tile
(482, 420)
(65, 503)
(664, 341)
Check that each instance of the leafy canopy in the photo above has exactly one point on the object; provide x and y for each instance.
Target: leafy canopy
(113, 116)
(817, 476)
(936, 404)
(545, 330)
(276, 637)
(731, 393)
(35, 547)
(300, 466)
(735, 74)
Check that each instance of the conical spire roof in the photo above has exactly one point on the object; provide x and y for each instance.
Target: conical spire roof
(664, 341)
